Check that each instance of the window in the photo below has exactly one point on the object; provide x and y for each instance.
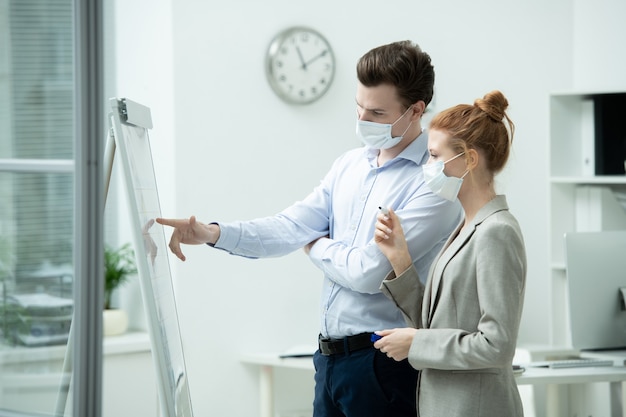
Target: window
(36, 198)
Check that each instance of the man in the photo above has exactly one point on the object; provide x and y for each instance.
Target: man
(335, 225)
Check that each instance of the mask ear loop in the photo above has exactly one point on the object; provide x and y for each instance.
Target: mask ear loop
(403, 114)
(397, 120)
(453, 158)
(407, 129)
(468, 169)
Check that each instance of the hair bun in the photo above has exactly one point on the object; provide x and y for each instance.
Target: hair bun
(494, 104)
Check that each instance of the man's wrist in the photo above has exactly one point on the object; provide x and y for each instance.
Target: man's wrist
(214, 233)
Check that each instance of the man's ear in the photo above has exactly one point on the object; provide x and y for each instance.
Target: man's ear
(418, 110)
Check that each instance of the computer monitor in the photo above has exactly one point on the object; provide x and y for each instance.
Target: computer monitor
(595, 265)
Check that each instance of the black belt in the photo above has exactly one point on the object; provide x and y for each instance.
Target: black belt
(347, 344)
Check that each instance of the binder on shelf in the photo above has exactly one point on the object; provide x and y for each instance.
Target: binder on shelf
(610, 137)
(587, 138)
(598, 209)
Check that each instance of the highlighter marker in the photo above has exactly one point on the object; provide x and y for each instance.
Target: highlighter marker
(384, 210)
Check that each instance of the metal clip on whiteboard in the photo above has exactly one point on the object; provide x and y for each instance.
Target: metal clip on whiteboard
(135, 113)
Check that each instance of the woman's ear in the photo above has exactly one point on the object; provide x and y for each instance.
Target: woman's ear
(471, 157)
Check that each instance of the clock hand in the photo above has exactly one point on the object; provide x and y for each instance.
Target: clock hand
(301, 58)
(321, 54)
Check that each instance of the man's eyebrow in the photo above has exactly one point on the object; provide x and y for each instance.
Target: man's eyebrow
(372, 110)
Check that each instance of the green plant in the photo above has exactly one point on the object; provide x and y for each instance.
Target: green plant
(6, 258)
(119, 265)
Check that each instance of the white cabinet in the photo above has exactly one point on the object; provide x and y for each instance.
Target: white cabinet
(587, 186)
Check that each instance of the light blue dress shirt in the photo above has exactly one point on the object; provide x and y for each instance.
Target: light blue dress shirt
(342, 211)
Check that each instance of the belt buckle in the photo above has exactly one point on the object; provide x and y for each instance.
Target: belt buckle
(321, 343)
(326, 347)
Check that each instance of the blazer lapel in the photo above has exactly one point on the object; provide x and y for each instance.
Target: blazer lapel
(451, 248)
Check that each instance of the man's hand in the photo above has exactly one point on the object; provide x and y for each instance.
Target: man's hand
(308, 246)
(190, 232)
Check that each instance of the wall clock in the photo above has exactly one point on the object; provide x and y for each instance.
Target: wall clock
(300, 65)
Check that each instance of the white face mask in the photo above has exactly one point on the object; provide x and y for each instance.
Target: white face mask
(439, 183)
(378, 135)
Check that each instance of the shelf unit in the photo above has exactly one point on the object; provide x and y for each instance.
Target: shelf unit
(581, 197)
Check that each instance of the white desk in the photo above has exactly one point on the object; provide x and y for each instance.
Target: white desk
(552, 378)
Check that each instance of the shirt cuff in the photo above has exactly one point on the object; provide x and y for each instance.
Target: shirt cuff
(318, 250)
(229, 236)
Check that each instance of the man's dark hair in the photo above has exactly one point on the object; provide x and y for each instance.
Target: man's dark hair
(401, 64)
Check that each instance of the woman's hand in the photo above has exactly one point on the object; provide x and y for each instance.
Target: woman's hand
(396, 343)
(389, 237)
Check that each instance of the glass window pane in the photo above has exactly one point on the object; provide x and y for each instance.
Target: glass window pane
(36, 284)
(36, 203)
(38, 63)
(41, 209)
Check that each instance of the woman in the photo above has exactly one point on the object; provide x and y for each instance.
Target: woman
(465, 319)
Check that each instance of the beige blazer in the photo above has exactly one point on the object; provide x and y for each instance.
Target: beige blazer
(468, 314)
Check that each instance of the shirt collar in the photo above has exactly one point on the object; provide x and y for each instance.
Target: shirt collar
(416, 151)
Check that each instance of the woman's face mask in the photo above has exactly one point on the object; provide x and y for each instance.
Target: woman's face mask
(378, 135)
(439, 183)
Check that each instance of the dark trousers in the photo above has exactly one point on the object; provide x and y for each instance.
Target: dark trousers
(363, 383)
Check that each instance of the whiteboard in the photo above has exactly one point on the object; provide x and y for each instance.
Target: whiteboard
(130, 122)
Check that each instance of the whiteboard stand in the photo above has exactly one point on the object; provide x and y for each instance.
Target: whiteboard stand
(64, 389)
(128, 138)
(130, 122)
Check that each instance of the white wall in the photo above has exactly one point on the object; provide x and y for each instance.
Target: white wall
(599, 55)
(226, 148)
(139, 66)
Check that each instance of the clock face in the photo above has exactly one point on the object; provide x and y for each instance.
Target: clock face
(300, 65)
